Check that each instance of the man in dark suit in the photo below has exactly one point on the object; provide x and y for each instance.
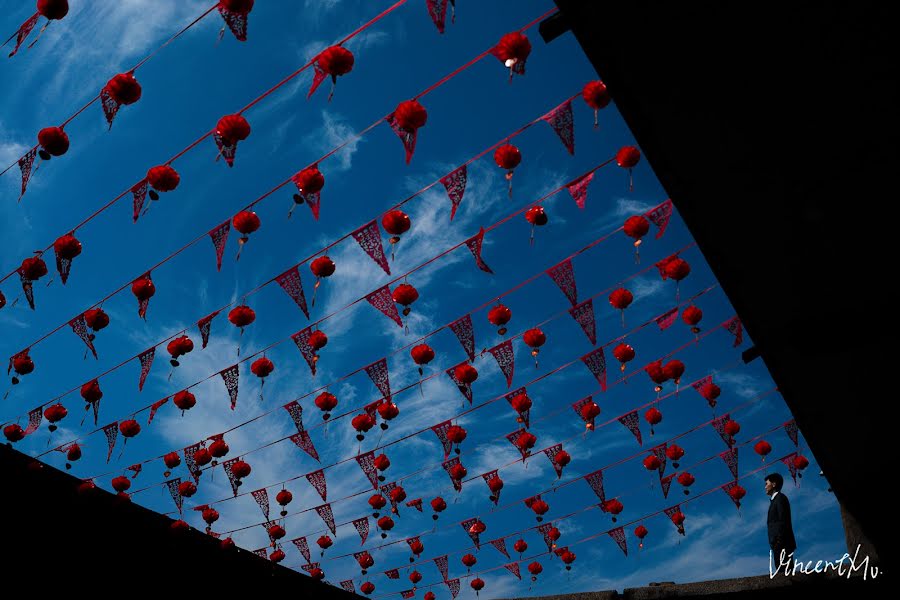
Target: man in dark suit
(781, 531)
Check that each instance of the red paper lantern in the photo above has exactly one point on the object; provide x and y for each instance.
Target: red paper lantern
(262, 367)
(210, 515)
(276, 532)
(677, 269)
(129, 428)
(686, 480)
(395, 222)
(429, 596)
(324, 542)
(202, 457)
(367, 588)
(499, 316)
(535, 569)
(596, 96)
(171, 460)
(627, 157)
(508, 158)
(731, 428)
(382, 462)
(179, 347)
(621, 299)
(674, 452)
(73, 453)
(53, 9)
(317, 340)
(526, 442)
(404, 295)
(678, 518)
(240, 469)
(710, 392)
(66, 247)
(143, 289)
(184, 400)
(438, 505)
(654, 417)
(54, 414)
(163, 178)
(277, 556)
(14, 432)
(33, 268)
(53, 141)
(737, 493)
(335, 61)
(124, 88)
(422, 355)
(187, 488)
(232, 129)
(537, 217)
(534, 338)
(623, 353)
(410, 115)
(398, 494)
(241, 7)
(656, 373)
(416, 547)
(377, 502)
(589, 412)
(641, 532)
(241, 316)
(326, 402)
(415, 577)
(362, 423)
(495, 484)
(651, 463)
(456, 434)
(179, 527)
(218, 449)
(562, 458)
(458, 472)
(22, 365)
(636, 227)
(388, 411)
(385, 524)
(318, 574)
(674, 370)
(469, 561)
(309, 182)
(466, 373)
(540, 509)
(763, 448)
(365, 561)
(692, 316)
(520, 546)
(801, 462)
(513, 50)
(96, 319)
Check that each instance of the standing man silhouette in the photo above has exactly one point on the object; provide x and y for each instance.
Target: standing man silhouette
(781, 531)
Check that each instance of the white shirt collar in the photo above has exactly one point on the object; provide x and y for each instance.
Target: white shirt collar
(773, 495)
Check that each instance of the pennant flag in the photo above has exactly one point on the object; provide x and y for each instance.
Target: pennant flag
(735, 328)
(367, 464)
(26, 28)
(292, 285)
(204, 325)
(313, 199)
(618, 534)
(544, 530)
(384, 302)
(791, 465)
(296, 411)
(262, 553)
(440, 430)
(408, 138)
(448, 466)
(487, 478)
(665, 320)
(632, 422)
(237, 24)
(719, 425)
(595, 480)
(63, 266)
(303, 546)
(665, 483)
(595, 361)
(138, 199)
(505, 357)
(301, 339)
(453, 586)
(227, 149)
(111, 432)
(25, 165)
(317, 480)
(35, 416)
(369, 239)
(790, 428)
(392, 574)
(189, 462)
(464, 332)
(500, 545)
(441, 563)
(79, 326)
(304, 442)
(563, 123)
(362, 528)
(551, 453)
(27, 287)
(230, 376)
(730, 457)
(578, 189)
(155, 407)
(701, 383)
(727, 489)
(146, 359)
(563, 275)
(378, 373)
(310, 567)
(474, 245)
(219, 237)
(406, 594)
(525, 416)
(386, 490)
(262, 498)
(415, 503)
(660, 216)
(173, 484)
(578, 406)
(670, 512)
(232, 478)
(455, 184)
(467, 525)
(325, 513)
(464, 388)
(513, 438)
(348, 586)
(514, 569)
(660, 453)
(584, 315)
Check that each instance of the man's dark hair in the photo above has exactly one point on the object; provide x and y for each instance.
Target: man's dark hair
(776, 479)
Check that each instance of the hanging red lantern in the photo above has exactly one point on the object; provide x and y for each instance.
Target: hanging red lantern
(710, 392)
(385, 524)
(53, 9)
(317, 340)
(219, 448)
(122, 89)
(367, 588)
(240, 470)
(553, 534)
(276, 532)
(469, 561)
(398, 494)
(179, 527)
(388, 411)
(513, 50)
(262, 367)
(422, 355)
(641, 532)
(674, 452)
(54, 414)
(674, 370)
(656, 373)
(129, 428)
(520, 546)
(309, 182)
(318, 574)
(621, 299)
(121, 484)
(362, 423)
(495, 484)
(277, 556)
(66, 248)
(466, 373)
(731, 427)
(227, 544)
(73, 453)
(334, 61)
(187, 488)
(241, 316)
(179, 347)
(404, 295)
(737, 493)
(535, 569)
(508, 158)
(636, 227)
(526, 442)
(676, 269)
(562, 458)
(438, 505)
(96, 319)
(417, 548)
(499, 316)
(589, 411)
(458, 472)
(326, 402)
(396, 223)
(365, 561)
(324, 542)
(377, 502)
(162, 178)
(678, 518)
(171, 460)
(624, 354)
(456, 435)
(14, 432)
(540, 508)
(382, 463)
(22, 365)
(568, 558)
(521, 404)
(692, 316)
(763, 448)
(321, 267)
(654, 417)
(91, 392)
(184, 400)
(143, 289)
(230, 130)
(686, 480)
(429, 595)
(537, 217)
(53, 142)
(409, 117)
(245, 222)
(627, 157)
(2, 300)
(283, 498)
(651, 463)
(202, 457)
(596, 96)
(415, 577)
(800, 463)
(534, 338)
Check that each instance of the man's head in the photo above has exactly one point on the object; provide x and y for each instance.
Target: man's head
(774, 481)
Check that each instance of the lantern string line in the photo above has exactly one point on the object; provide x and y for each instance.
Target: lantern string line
(534, 453)
(424, 430)
(131, 70)
(354, 302)
(264, 284)
(591, 537)
(352, 138)
(512, 504)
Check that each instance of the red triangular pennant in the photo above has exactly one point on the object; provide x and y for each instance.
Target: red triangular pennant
(595, 361)
(595, 480)
(231, 377)
(378, 373)
(79, 326)
(369, 239)
(563, 123)
(660, 217)
(367, 464)
(26, 28)
(455, 184)
(362, 528)
(219, 236)
(317, 480)
(111, 432)
(578, 188)
(618, 534)
(301, 339)
(514, 569)
(146, 360)
(464, 332)
(632, 422)
(139, 198)
(262, 499)
(292, 285)
(204, 325)
(584, 315)
(304, 442)
(505, 357)
(407, 137)
(384, 302)
(464, 388)
(327, 515)
(474, 245)
(25, 166)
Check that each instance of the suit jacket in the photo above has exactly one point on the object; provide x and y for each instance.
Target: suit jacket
(781, 531)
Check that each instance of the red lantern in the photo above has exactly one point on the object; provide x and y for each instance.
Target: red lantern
(73, 454)
(53, 142)
(367, 588)
(179, 347)
(731, 428)
(395, 222)
(143, 289)
(678, 518)
(535, 569)
(521, 404)
(22, 365)
(377, 502)
(129, 428)
(54, 414)
(526, 442)
(651, 463)
(227, 544)
(653, 417)
(409, 116)
(537, 217)
(589, 412)
(737, 493)
(283, 498)
(388, 411)
(385, 524)
(162, 178)
(317, 340)
(495, 484)
(422, 355)
(277, 556)
(96, 319)
(477, 527)
(365, 561)
(382, 463)
(184, 400)
(621, 299)
(692, 316)
(710, 392)
(202, 457)
(415, 577)
(124, 88)
(14, 432)
(179, 527)
(438, 505)
(686, 480)
(458, 472)
(324, 543)
(53, 9)
(513, 50)
(469, 561)
(674, 370)
(309, 182)
(456, 434)
(568, 558)
(562, 458)
(362, 423)
(534, 338)
(417, 548)
(627, 157)
(674, 452)
(466, 373)
(499, 316)
(187, 488)
(596, 96)
(321, 267)
(763, 448)
(641, 532)
(318, 574)
(676, 269)
(508, 158)
(262, 367)
(240, 469)
(404, 295)
(245, 222)
(540, 509)
(230, 130)
(218, 449)
(430, 595)
(398, 494)
(520, 546)
(66, 248)
(553, 535)
(636, 227)
(171, 460)
(276, 532)
(624, 354)
(800, 463)
(656, 373)
(326, 402)
(210, 515)
(334, 61)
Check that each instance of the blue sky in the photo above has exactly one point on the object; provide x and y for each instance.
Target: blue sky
(193, 82)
